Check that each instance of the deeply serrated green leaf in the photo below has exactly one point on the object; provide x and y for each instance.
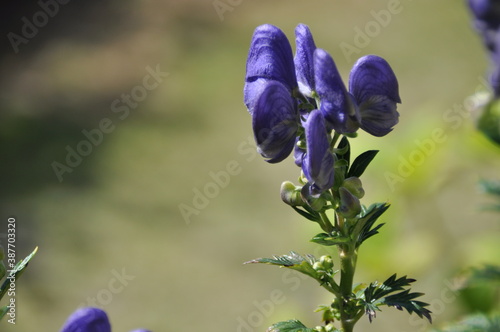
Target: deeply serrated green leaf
(361, 162)
(404, 300)
(376, 295)
(289, 326)
(363, 229)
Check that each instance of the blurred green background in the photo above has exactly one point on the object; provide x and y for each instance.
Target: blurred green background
(119, 210)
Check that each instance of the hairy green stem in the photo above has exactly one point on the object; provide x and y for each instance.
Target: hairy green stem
(348, 257)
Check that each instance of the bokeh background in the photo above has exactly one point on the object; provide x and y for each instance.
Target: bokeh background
(119, 210)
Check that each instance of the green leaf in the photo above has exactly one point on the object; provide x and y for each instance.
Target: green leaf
(486, 274)
(16, 272)
(3, 311)
(363, 228)
(489, 121)
(404, 300)
(289, 326)
(376, 295)
(474, 323)
(309, 214)
(329, 240)
(293, 261)
(490, 186)
(361, 162)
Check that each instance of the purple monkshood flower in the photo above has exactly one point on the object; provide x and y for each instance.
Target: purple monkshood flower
(304, 59)
(275, 79)
(487, 23)
(89, 320)
(375, 89)
(269, 84)
(337, 106)
(317, 163)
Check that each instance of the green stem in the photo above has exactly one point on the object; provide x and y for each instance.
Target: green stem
(348, 257)
(334, 139)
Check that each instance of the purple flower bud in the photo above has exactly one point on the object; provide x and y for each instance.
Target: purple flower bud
(337, 106)
(375, 89)
(87, 320)
(304, 65)
(318, 161)
(275, 122)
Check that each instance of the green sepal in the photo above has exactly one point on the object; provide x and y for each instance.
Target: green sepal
(361, 162)
(289, 326)
(343, 150)
(16, 272)
(329, 239)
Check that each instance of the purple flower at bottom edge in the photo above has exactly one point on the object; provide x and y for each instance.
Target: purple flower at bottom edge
(318, 161)
(375, 89)
(87, 320)
(275, 122)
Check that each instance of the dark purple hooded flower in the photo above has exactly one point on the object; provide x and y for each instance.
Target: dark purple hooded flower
(375, 89)
(269, 84)
(318, 160)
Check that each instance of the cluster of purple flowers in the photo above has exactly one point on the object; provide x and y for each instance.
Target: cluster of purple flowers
(298, 102)
(89, 320)
(486, 20)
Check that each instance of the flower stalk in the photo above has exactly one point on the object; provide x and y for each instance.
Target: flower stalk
(300, 103)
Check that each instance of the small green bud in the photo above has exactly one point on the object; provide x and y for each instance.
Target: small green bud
(349, 204)
(354, 185)
(326, 262)
(317, 266)
(290, 194)
(316, 203)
